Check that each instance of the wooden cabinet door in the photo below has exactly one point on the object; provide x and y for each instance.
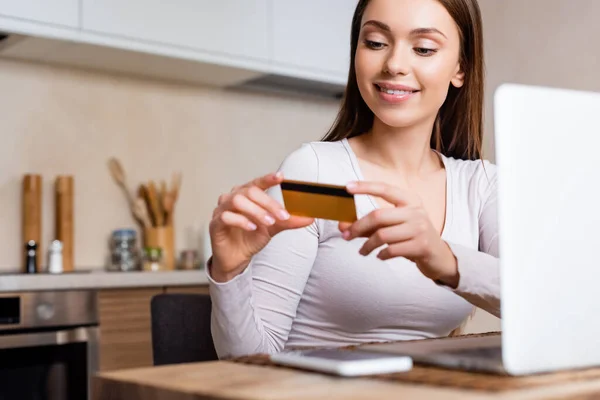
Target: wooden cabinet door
(125, 328)
(126, 325)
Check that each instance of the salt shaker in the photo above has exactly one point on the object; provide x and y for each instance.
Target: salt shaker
(55, 257)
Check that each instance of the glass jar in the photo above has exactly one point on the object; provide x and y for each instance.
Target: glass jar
(153, 259)
(188, 259)
(124, 253)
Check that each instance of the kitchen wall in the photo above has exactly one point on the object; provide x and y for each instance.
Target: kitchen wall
(540, 42)
(66, 121)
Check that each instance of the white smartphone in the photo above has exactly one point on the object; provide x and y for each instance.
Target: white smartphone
(344, 362)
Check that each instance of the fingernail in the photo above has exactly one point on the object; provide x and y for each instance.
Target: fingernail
(283, 215)
(279, 175)
(346, 234)
(269, 220)
(351, 185)
(251, 226)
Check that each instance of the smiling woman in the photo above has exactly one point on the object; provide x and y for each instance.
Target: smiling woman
(449, 29)
(407, 144)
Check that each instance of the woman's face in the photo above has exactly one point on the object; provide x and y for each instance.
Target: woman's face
(406, 58)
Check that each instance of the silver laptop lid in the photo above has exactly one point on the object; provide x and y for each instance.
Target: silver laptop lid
(547, 151)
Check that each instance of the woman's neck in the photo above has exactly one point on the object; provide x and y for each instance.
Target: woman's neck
(405, 151)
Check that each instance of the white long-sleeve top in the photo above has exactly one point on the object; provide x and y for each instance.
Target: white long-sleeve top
(310, 287)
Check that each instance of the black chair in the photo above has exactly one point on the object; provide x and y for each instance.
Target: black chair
(181, 328)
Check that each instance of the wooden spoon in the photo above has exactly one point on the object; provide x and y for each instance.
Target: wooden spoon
(171, 197)
(154, 203)
(141, 212)
(176, 184)
(142, 193)
(118, 174)
(169, 205)
(161, 198)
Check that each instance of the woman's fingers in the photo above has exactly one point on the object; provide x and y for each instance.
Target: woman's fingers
(389, 235)
(409, 249)
(377, 219)
(389, 193)
(251, 201)
(232, 219)
(272, 206)
(406, 231)
(241, 204)
(266, 181)
(405, 203)
(294, 222)
(344, 226)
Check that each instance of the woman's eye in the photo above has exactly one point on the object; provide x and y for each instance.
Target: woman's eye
(422, 51)
(374, 45)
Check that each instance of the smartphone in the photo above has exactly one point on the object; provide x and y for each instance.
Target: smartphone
(344, 362)
(318, 200)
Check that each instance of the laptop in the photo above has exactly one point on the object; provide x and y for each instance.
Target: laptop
(547, 151)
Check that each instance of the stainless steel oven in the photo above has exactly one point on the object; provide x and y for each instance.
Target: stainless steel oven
(48, 345)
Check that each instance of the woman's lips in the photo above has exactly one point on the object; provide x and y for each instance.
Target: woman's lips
(395, 93)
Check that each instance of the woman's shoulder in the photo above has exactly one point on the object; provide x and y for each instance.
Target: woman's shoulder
(479, 176)
(316, 161)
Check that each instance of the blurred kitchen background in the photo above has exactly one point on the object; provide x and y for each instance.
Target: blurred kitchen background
(220, 91)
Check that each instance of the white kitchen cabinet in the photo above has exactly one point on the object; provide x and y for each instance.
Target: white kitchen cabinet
(299, 46)
(231, 27)
(57, 12)
(313, 34)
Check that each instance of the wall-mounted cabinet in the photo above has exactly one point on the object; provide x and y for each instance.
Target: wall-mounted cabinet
(57, 12)
(312, 34)
(233, 27)
(282, 43)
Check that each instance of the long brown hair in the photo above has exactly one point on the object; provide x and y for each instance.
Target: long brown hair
(458, 128)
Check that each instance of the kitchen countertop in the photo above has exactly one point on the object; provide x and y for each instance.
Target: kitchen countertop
(100, 279)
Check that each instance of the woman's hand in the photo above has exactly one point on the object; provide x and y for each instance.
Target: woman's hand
(406, 230)
(244, 222)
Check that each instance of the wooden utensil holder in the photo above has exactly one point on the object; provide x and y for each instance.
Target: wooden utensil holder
(163, 237)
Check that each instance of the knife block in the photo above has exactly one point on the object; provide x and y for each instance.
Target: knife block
(163, 237)
(64, 218)
(31, 204)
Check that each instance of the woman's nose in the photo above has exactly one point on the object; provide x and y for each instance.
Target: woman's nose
(397, 63)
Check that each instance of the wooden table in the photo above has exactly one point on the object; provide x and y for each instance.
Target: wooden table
(230, 380)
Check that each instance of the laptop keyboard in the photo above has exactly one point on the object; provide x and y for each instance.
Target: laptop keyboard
(487, 359)
(479, 352)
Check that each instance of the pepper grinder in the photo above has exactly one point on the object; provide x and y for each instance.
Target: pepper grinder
(64, 223)
(31, 257)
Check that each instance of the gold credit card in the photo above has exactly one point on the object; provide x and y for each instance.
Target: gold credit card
(318, 200)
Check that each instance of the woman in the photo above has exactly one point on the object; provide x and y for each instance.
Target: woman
(407, 142)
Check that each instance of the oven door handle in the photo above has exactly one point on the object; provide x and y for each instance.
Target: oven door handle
(33, 339)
